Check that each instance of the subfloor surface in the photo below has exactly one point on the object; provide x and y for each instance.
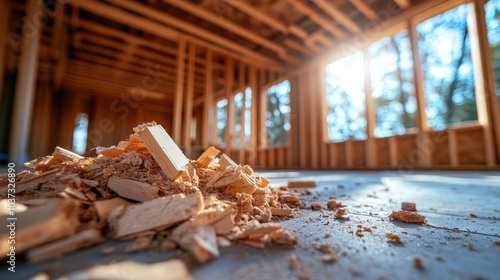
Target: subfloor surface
(457, 242)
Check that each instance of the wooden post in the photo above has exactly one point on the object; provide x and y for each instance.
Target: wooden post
(262, 93)
(486, 99)
(59, 45)
(393, 151)
(294, 146)
(421, 117)
(349, 155)
(4, 29)
(25, 87)
(242, 83)
(253, 114)
(320, 113)
(230, 105)
(188, 105)
(208, 105)
(452, 148)
(312, 121)
(371, 153)
(177, 121)
(303, 124)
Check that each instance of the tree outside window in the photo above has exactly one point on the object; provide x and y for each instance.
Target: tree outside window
(278, 114)
(221, 122)
(445, 54)
(392, 84)
(345, 97)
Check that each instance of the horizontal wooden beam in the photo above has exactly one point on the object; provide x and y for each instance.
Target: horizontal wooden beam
(321, 20)
(337, 15)
(226, 24)
(365, 9)
(257, 15)
(403, 4)
(123, 17)
(189, 28)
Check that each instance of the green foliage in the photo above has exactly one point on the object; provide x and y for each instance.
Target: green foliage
(278, 114)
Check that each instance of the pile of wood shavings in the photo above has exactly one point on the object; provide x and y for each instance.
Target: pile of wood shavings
(224, 202)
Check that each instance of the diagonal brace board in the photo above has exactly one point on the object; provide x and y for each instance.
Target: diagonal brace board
(163, 149)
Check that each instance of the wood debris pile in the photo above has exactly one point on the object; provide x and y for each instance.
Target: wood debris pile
(144, 189)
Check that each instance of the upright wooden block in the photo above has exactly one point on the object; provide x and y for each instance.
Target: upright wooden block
(163, 149)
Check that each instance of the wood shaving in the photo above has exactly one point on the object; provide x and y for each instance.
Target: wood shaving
(417, 261)
(393, 237)
(407, 217)
(316, 206)
(332, 204)
(329, 257)
(294, 262)
(409, 206)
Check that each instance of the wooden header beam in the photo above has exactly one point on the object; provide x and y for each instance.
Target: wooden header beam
(226, 24)
(365, 9)
(189, 28)
(338, 15)
(257, 14)
(324, 22)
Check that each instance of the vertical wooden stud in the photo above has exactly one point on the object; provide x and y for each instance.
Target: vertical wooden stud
(423, 141)
(188, 102)
(487, 106)
(25, 89)
(179, 93)
(208, 104)
(230, 105)
(371, 153)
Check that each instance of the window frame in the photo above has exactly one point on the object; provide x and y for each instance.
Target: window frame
(263, 112)
(400, 23)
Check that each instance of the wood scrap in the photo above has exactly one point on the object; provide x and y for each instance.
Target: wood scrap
(316, 206)
(417, 261)
(301, 184)
(30, 183)
(200, 241)
(407, 217)
(284, 237)
(75, 193)
(409, 206)
(163, 149)
(133, 190)
(53, 220)
(111, 152)
(142, 243)
(207, 157)
(281, 212)
(332, 204)
(329, 257)
(65, 155)
(156, 214)
(104, 207)
(129, 270)
(393, 237)
(225, 161)
(61, 247)
(6, 207)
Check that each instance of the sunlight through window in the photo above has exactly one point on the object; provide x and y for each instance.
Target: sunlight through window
(80, 133)
(345, 96)
(392, 84)
(221, 122)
